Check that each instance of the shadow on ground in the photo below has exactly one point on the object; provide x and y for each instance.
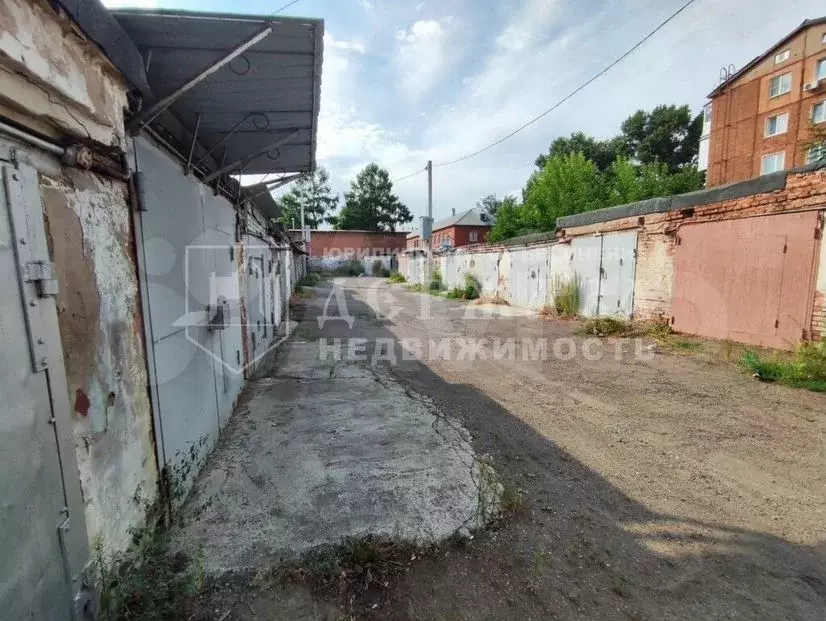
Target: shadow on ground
(578, 548)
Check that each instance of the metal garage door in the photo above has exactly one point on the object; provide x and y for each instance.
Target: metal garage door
(186, 256)
(529, 270)
(619, 260)
(746, 280)
(41, 557)
(587, 256)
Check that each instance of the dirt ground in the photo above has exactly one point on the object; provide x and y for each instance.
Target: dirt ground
(656, 485)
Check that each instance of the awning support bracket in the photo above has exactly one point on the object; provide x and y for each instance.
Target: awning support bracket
(153, 111)
(194, 142)
(249, 158)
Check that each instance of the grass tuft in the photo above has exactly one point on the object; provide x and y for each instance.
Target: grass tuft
(567, 296)
(396, 277)
(806, 368)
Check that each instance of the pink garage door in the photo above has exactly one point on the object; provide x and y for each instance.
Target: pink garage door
(746, 280)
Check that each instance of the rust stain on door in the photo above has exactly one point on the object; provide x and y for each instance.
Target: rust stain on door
(746, 280)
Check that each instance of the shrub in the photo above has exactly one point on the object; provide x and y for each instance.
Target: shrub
(353, 267)
(377, 268)
(436, 281)
(473, 288)
(397, 277)
(805, 369)
(567, 296)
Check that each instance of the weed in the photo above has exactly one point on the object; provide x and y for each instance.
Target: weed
(685, 344)
(567, 296)
(436, 283)
(396, 277)
(607, 326)
(538, 560)
(728, 347)
(513, 499)
(150, 581)
(416, 288)
(806, 368)
(473, 288)
(378, 268)
(311, 279)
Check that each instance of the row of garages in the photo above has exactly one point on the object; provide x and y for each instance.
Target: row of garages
(743, 263)
(143, 283)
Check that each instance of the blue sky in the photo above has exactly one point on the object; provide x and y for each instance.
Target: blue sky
(404, 82)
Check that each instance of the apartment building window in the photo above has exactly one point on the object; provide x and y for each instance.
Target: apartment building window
(778, 124)
(782, 57)
(821, 69)
(780, 85)
(816, 154)
(819, 112)
(773, 163)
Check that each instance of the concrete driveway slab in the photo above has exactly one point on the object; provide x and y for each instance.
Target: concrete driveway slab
(322, 450)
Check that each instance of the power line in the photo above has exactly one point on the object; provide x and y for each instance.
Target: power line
(421, 170)
(601, 73)
(286, 6)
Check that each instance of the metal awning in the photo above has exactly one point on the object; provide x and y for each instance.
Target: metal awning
(246, 87)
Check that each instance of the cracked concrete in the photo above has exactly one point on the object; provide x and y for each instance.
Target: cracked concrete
(321, 450)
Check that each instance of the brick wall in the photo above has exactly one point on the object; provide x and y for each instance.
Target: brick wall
(657, 241)
(356, 243)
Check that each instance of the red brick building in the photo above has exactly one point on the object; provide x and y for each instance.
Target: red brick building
(761, 120)
(469, 227)
(354, 244)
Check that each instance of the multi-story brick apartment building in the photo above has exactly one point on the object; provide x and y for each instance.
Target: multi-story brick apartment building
(764, 118)
(469, 227)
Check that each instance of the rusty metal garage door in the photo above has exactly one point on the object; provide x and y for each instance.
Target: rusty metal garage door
(747, 280)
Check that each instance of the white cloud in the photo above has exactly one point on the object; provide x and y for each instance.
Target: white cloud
(366, 5)
(522, 31)
(423, 56)
(352, 46)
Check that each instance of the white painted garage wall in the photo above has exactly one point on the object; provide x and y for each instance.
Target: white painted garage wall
(525, 275)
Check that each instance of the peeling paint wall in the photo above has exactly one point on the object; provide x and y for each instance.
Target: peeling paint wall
(54, 80)
(90, 237)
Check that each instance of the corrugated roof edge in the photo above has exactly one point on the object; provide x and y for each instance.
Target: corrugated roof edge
(732, 191)
(807, 23)
(101, 26)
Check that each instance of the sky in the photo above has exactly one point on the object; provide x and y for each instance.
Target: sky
(404, 82)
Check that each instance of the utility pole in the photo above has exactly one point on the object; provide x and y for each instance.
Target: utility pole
(430, 222)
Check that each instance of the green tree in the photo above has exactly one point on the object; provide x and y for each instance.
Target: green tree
(314, 193)
(567, 184)
(370, 205)
(508, 220)
(600, 152)
(667, 134)
(489, 203)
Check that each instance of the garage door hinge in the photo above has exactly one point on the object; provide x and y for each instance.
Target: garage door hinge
(776, 323)
(785, 248)
(818, 232)
(41, 273)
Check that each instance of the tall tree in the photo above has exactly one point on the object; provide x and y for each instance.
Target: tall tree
(667, 134)
(600, 152)
(314, 193)
(567, 184)
(489, 203)
(370, 205)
